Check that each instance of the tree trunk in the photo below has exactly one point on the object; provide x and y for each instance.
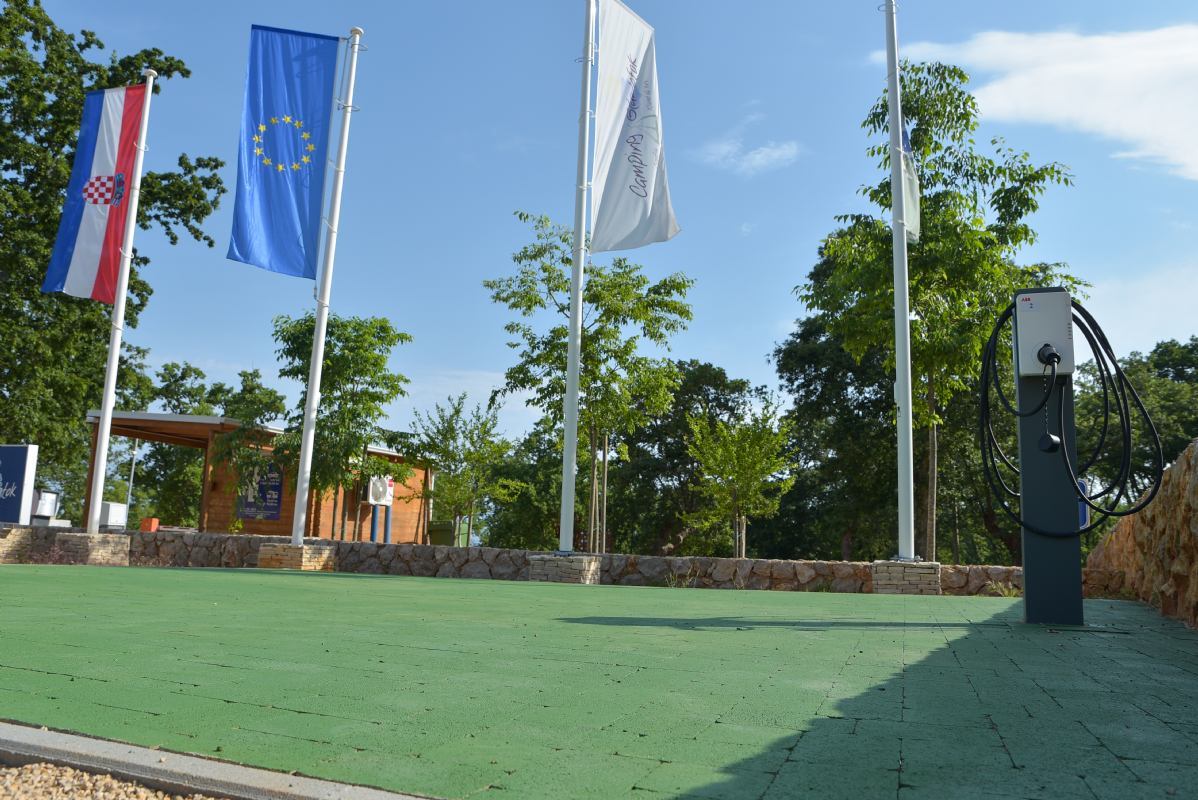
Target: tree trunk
(846, 544)
(956, 536)
(603, 507)
(333, 517)
(592, 525)
(357, 512)
(930, 538)
(470, 523)
(344, 509)
(744, 530)
(1010, 538)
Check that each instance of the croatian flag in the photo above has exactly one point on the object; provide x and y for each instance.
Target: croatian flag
(87, 252)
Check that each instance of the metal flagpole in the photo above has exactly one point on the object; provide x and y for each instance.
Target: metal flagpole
(565, 541)
(118, 316)
(902, 315)
(300, 517)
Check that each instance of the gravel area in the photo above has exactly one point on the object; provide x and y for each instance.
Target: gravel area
(50, 782)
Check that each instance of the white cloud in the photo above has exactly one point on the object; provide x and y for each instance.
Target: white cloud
(747, 228)
(728, 151)
(1136, 88)
(1143, 308)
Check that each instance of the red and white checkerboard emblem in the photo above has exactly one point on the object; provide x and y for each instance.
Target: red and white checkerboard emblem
(105, 190)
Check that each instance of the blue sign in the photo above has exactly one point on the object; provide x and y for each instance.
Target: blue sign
(265, 500)
(18, 463)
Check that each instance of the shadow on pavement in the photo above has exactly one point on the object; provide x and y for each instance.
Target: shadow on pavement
(955, 707)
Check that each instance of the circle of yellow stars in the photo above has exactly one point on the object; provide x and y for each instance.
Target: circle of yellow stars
(282, 167)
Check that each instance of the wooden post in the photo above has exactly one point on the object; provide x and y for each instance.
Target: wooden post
(206, 480)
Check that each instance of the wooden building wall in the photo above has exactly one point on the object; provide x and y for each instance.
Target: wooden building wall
(408, 516)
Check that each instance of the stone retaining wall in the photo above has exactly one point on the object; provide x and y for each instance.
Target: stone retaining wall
(179, 549)
(1153, 555)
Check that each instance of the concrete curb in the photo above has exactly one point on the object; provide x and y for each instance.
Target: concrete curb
(172, 772)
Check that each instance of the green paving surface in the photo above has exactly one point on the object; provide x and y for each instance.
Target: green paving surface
(458, 688)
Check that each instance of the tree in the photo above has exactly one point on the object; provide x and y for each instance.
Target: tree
(527, 519)
(843, 501)
(1167, 381)
(744, 469)
(655, 487)
(55, 346)
(169, 481)
(619, 387)
(465, 453)
(171, 477)
(356, 385)
(974, 209)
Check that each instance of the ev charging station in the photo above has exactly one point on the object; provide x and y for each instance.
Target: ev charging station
(1052, 565)
(1050, 487)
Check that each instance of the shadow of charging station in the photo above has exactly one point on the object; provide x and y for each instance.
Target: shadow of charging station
(1051, 489)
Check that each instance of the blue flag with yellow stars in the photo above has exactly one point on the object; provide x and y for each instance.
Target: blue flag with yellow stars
(285, 131)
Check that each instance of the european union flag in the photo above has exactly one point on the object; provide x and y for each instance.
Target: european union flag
(285, 130)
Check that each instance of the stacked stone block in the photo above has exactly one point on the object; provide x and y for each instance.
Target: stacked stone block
(307, 557)
(15, 545)
(906, 577)
(105, 549)
(564, 569)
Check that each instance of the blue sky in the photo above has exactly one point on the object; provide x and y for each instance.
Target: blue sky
(469, 112)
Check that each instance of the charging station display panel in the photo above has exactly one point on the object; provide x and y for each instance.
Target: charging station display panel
(1043, 317)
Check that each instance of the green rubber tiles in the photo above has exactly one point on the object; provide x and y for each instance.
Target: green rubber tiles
(458, 688)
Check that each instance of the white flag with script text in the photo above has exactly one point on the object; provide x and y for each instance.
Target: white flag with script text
(630, 202)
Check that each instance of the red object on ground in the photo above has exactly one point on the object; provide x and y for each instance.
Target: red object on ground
(149, 524)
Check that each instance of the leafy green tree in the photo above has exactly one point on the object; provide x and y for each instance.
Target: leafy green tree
(55, 346)
(356, 386)
(619, 386)
(744, 469)
(170, 478)
(844, 498)
(655, 484)
(528, 519)
(465, 453)
(1167, 381)
(974, 210)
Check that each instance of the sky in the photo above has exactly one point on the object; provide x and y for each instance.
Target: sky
(468, 112)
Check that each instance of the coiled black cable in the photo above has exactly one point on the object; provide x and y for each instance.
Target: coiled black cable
(1115, 385)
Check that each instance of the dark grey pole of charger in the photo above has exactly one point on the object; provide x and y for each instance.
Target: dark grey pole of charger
(1052, 565)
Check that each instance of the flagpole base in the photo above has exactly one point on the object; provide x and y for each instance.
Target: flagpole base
(562, 567)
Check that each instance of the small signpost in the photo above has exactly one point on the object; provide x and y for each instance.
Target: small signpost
(18, 465)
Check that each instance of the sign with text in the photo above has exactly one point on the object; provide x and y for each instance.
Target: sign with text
(18, 464)
(265, 499)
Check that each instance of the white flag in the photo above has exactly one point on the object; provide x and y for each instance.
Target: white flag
(910, 190)
(630, 205)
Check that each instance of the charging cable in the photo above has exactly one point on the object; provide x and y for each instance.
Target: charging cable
(1116, 391)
